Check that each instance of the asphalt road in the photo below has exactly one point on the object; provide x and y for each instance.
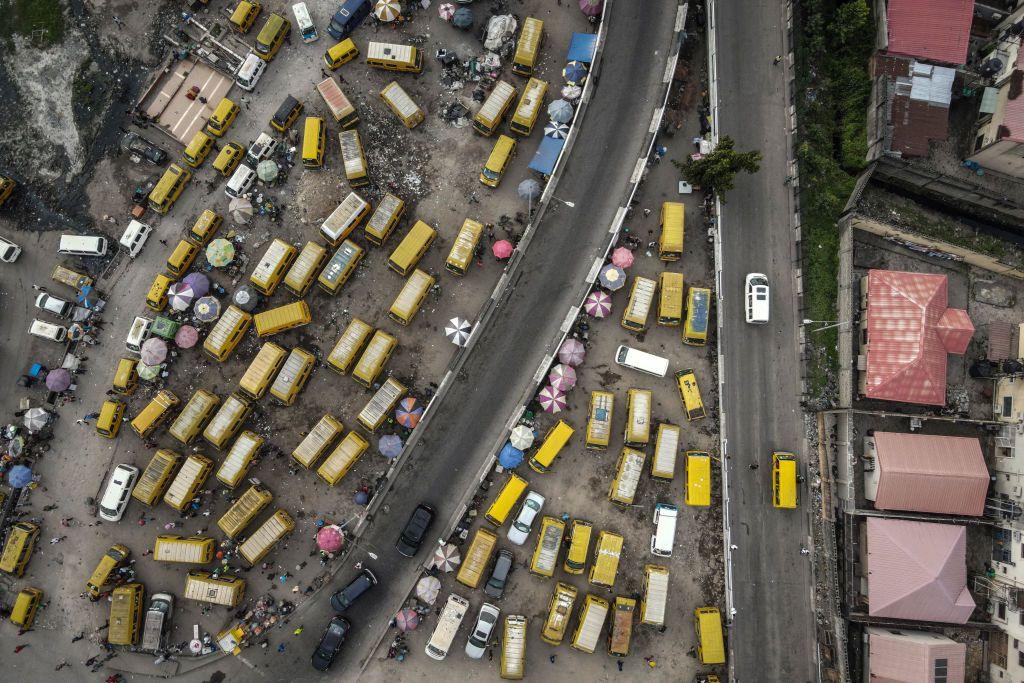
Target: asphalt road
(502, 364)
(772, 636)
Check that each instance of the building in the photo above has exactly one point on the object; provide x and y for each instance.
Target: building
(999, 144)
(907, 331)
(936, 31)
(914, 656)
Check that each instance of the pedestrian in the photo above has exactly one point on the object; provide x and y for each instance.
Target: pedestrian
(297, 631)
(359, 566)
(61, 665)
(57, 539)
(341, 78)
(620, 665)
(91, 416)
(323, 72)
(80, 421)
(19, 648)
(280, 648)
(78, 637)
(163, 242)
(552, 658)
(647, 212)
(778, 58)
(753, 466)
(147, 553)
(90, 661)
(804, 551)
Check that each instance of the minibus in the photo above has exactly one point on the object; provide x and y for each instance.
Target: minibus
(641, 361)
(606, 559)
(226, 334)
(593, 613)
(554, 441)
(380, 406)
(197, 149)
(549, 542)
(670, 243)
(698, 305)
(340, 268)
(580, 532)
(228, 420)
(169, 188)
(188, 481)
(244, 510)
(638, 418)
(409, 300)
(641, 296)
(531, 37)
(244, 15)
(342, 458)
(353, 158)
(599, 422)
(412, 247)
(403, 106)
(304, 23)
(224, 590)
(690, 394)
(558, 613)
(498, 160)
(317, 442)
(155, 412)
(461, 254)
(281, 318)
(447, 626)
(21, 539)
(271, 37)
(156, 297)
(698, 479)
(205, 227)
(314, 142)
(494, 108)
(621, 630)
(707, 622)
(222, 118)
(266, 536)
(304, 270)
(23, 612)
(391, 57)
(155, 478)
(655, 600)
(287, 114)
(670, 299)
(513, 648)
(340, 53)
(293, 376)
(384, 219)
(663, 539)
(126, 377)
(511, 491)
(627, 477)
(272, 266)
(374, 358)
(344, 219)
(262, 370)
(337, 102)
(239, 459)
(191, 550)
(108, 424)
(125, 621)
(784, 480)
(526, 112)
(477, 558)
(349, 346)
(666, 446)
(193, 416)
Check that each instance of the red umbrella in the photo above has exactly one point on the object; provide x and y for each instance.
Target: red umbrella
(502, 249)
(407, 619)
(186, 337)
(622, 257)
(330, 538)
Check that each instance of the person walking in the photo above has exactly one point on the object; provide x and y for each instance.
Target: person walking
(19, 648)
(778, 58)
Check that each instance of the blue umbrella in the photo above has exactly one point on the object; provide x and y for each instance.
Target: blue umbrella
(390, 446)
(19, 476)
(463, 18)
(510, 457)
(612, 277)
(560, 111)
(575, 72)
(88, 297)
(362, 497)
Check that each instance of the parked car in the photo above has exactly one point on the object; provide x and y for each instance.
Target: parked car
(485, 622)
(9, 251)
(520, 528)
(757, 298)
(41, 328)
(411, 538)
(115, 496)
(133, 143)
(51, 304)
(330, 643)
(503, 564)
(344, 598)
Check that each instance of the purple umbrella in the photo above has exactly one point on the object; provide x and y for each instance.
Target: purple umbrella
(598, 304)
(154, 351)
(572, 352)
(58, 380)
(181, 296)
(186, 337)
(390, 446)
(552, 400)
(407, 619)
(562, 377)
(591, 8)
(199, 283)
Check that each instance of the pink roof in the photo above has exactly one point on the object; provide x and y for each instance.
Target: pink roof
(910, 331)
(940, 474)
(910, 656)
(932, 30)
(917, 570)
(1013, 117)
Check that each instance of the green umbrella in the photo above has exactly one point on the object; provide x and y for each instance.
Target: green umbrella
(149, 372)
(220, 252)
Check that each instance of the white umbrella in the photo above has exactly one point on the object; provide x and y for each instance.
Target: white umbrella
(521, 437)
(387, 10)
(458, 331)
(35, 419)
(428, 588)
(241, 209)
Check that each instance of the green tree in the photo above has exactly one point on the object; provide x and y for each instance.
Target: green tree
(715, 172)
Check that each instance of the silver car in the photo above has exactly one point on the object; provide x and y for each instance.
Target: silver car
(520, 528)
(485, 623)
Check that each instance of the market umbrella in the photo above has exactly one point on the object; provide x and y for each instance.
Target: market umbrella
(246, 298)
(35, 419)
(502, 249)
(387, 10)
(19, 476)
(76, 332)
(571, 92)
(199, 283)
(510, 457)
(148, 372)
(390, 446)
(154, 351)
(207, 309)
(528, 189)
(612, 277)
(463, 18)
(562, 377)
(446, 557)
(428, 588)
(220, 252)
(598, 304)
(186, 337)
(560, 111)
(267, 170)
(591, 8)
(622, 257)
(408, 414)
(407, 619)
(556, 130)
(575, 72)
(572, 352)
(330, 538)
(241, 209)
(58, 380)
(552, 400)
(180, 295)
(521, 437)
(88, 297)
(446, 11)
(458, 330)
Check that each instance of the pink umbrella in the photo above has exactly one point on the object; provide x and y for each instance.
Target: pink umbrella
(598, 304)
(58, 380)
(552, 400)
(154, 351)
(502, 249)
(446, 11)
(186, 337)
(591, 8)
(407, 619)
(330, 539)
(572, 352)
(562, 377)
(622, 257)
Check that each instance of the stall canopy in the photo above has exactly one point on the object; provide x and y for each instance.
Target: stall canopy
(546, 156)
(582, 47)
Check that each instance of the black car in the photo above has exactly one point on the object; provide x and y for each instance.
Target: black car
(330, 643)
(140, 146)
(344, 598)
(495, 586)
(415, 530)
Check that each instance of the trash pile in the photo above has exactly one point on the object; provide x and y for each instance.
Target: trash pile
(498, 40)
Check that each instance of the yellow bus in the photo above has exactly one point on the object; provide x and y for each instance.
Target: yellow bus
(261, 370)
(239, 459)
(638, 418)
(317, 441)
(528, 47)
(155, 478)
(494, 107)
(477, 558)
(641, 296)
(558, 613)
(374, 358)
(344, 219)
(593, 614)
(196, 412)
(627, 476)
(342, 458)
(412, 248)
(225, 335)
(197, 149)
(380, 406)
(271, 268)
(349, 345)
(698, 479)
(314, 142)
(293, 376)
(528, 109)
(408, 301)
(511, 491)
(549, 542)
(666, 446)
(670, 299)
(384, 219)
(599, 422)
(690, 394)
(673, 219)
(513, 648)
(188, 481)
(580, 532)
(281, 318)
(304, 270)
(464, 246)
(205, 227)
(554, 441)
(403, 106)
(261, 541)
(244, 510)
(125, 614)
(784, 480)
(707, 622)
(169, 188)
(340, 268)
(391, 57)
(155, 412)
(224, 590)
(698, 305)
(228, 420)
(606, 559)
(353, 158)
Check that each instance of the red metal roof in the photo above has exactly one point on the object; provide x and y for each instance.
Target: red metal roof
(917, 570)
(909, 335)
(1013, 117)
(933, 30)
(906, 655)
(940, 474)
(915, 124)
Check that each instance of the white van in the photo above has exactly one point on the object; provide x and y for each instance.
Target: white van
(82, 245)
(262, 149)
(447, 625)
(241, 181)
(756, 286)
(135, 236)
(115, 496)
(250, 71)
(641, 361)
(57, 333)
(664, 537)
(305, 24)
(9, 251)
(138, 333)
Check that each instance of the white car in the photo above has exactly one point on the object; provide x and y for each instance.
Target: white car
(9, 251)
(115, 496)
(757, 298)
(520, 528)
(41, 328)
(485, 623)
(51, 304)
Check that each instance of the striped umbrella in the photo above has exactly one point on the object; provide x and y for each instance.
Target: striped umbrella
(407, 619)
(387, 10)
(428, 588)
(552, 400)
(598, 304)
(562, 377)
(181, 295)
(556, 130)
(575, 72)
(446, 11)
(408, 414)
(446, 558)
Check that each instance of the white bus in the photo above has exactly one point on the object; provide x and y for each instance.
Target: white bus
(641, 361)
(305, 23)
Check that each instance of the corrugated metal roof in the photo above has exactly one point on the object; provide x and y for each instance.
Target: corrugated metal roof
(906, 357)
(1000, 340)
(935, 30)
(910, 655)
(917, 570)
(1013, 118)
(940, 474)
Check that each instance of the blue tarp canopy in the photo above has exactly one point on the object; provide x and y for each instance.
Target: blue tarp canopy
(547, 154)
(581, 47)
